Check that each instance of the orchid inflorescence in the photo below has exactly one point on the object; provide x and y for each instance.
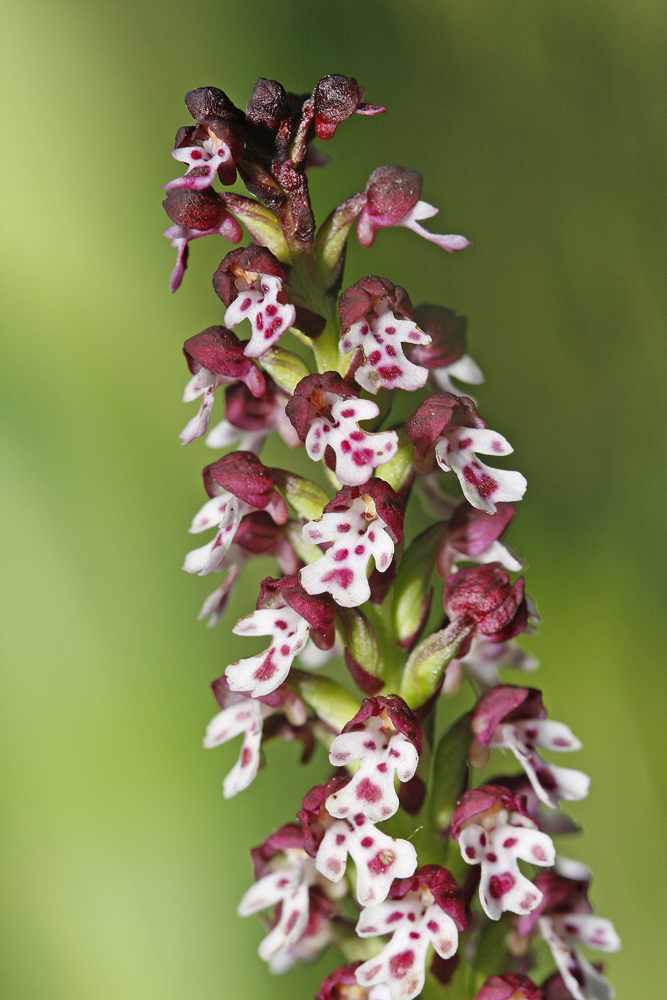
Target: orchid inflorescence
(411, 872)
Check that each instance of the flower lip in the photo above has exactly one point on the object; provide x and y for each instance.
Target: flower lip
(485, 799)
(398, 715)
(444, 889)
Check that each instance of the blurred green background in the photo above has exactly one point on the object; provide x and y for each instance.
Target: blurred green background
(540, 129)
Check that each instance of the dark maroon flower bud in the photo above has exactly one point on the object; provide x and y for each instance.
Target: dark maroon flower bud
(336, 98)
(341, 984)
(411, 794)
(388, 504)
(313, 814)
(444, 968)
(448, 336)
(483, 799)
(403, 718)
(269, 105)
(258, 533)
(199, 210)
(509, 987)
(205, 101)
(390, 194)
(442, 885)
(484, 595)
(242, 474)
(241, 268)
(220, 352)
(360, 300)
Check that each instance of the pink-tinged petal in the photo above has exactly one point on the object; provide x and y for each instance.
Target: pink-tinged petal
(579, 976)
(422, 210)
(594, 932)
(217, 512)
(198, 425)
(549, 734)
(262, 674)
(384, 918)
(549, 782)
(290, 927)
(245, 717)
(209, 557)
(269, 317)
(380, 335)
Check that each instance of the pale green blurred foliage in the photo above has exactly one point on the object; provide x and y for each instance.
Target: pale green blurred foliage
(540, 130)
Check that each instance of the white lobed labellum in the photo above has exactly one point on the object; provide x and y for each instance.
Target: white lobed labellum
(550, 783)
(211, 156)
(202, 383)
(268, 317)
(581, 979)
(358, 453)
(385, 364)
(415, 925)
(341, 570)
(502, 886)
(422, 210)
(482, 486)
(226, 512)
(371, 790)
(262, 674)
(465, 370)
(246, 717)
(379, 859)
(288, 885)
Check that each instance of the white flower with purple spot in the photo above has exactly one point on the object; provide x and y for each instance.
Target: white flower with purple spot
(482, 486)
(382, 757)
(549, 782)
(226, 512)
(358, 453)
(357, 534)
(415, 922)
(246, 716)
(380, 335)
(289, 886)
(379, 859)
(581, 979)
(496, 846)
(269, 318)
(262, 674)
(202, 162)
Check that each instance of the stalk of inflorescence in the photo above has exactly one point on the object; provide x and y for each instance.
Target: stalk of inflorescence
(397, 862)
